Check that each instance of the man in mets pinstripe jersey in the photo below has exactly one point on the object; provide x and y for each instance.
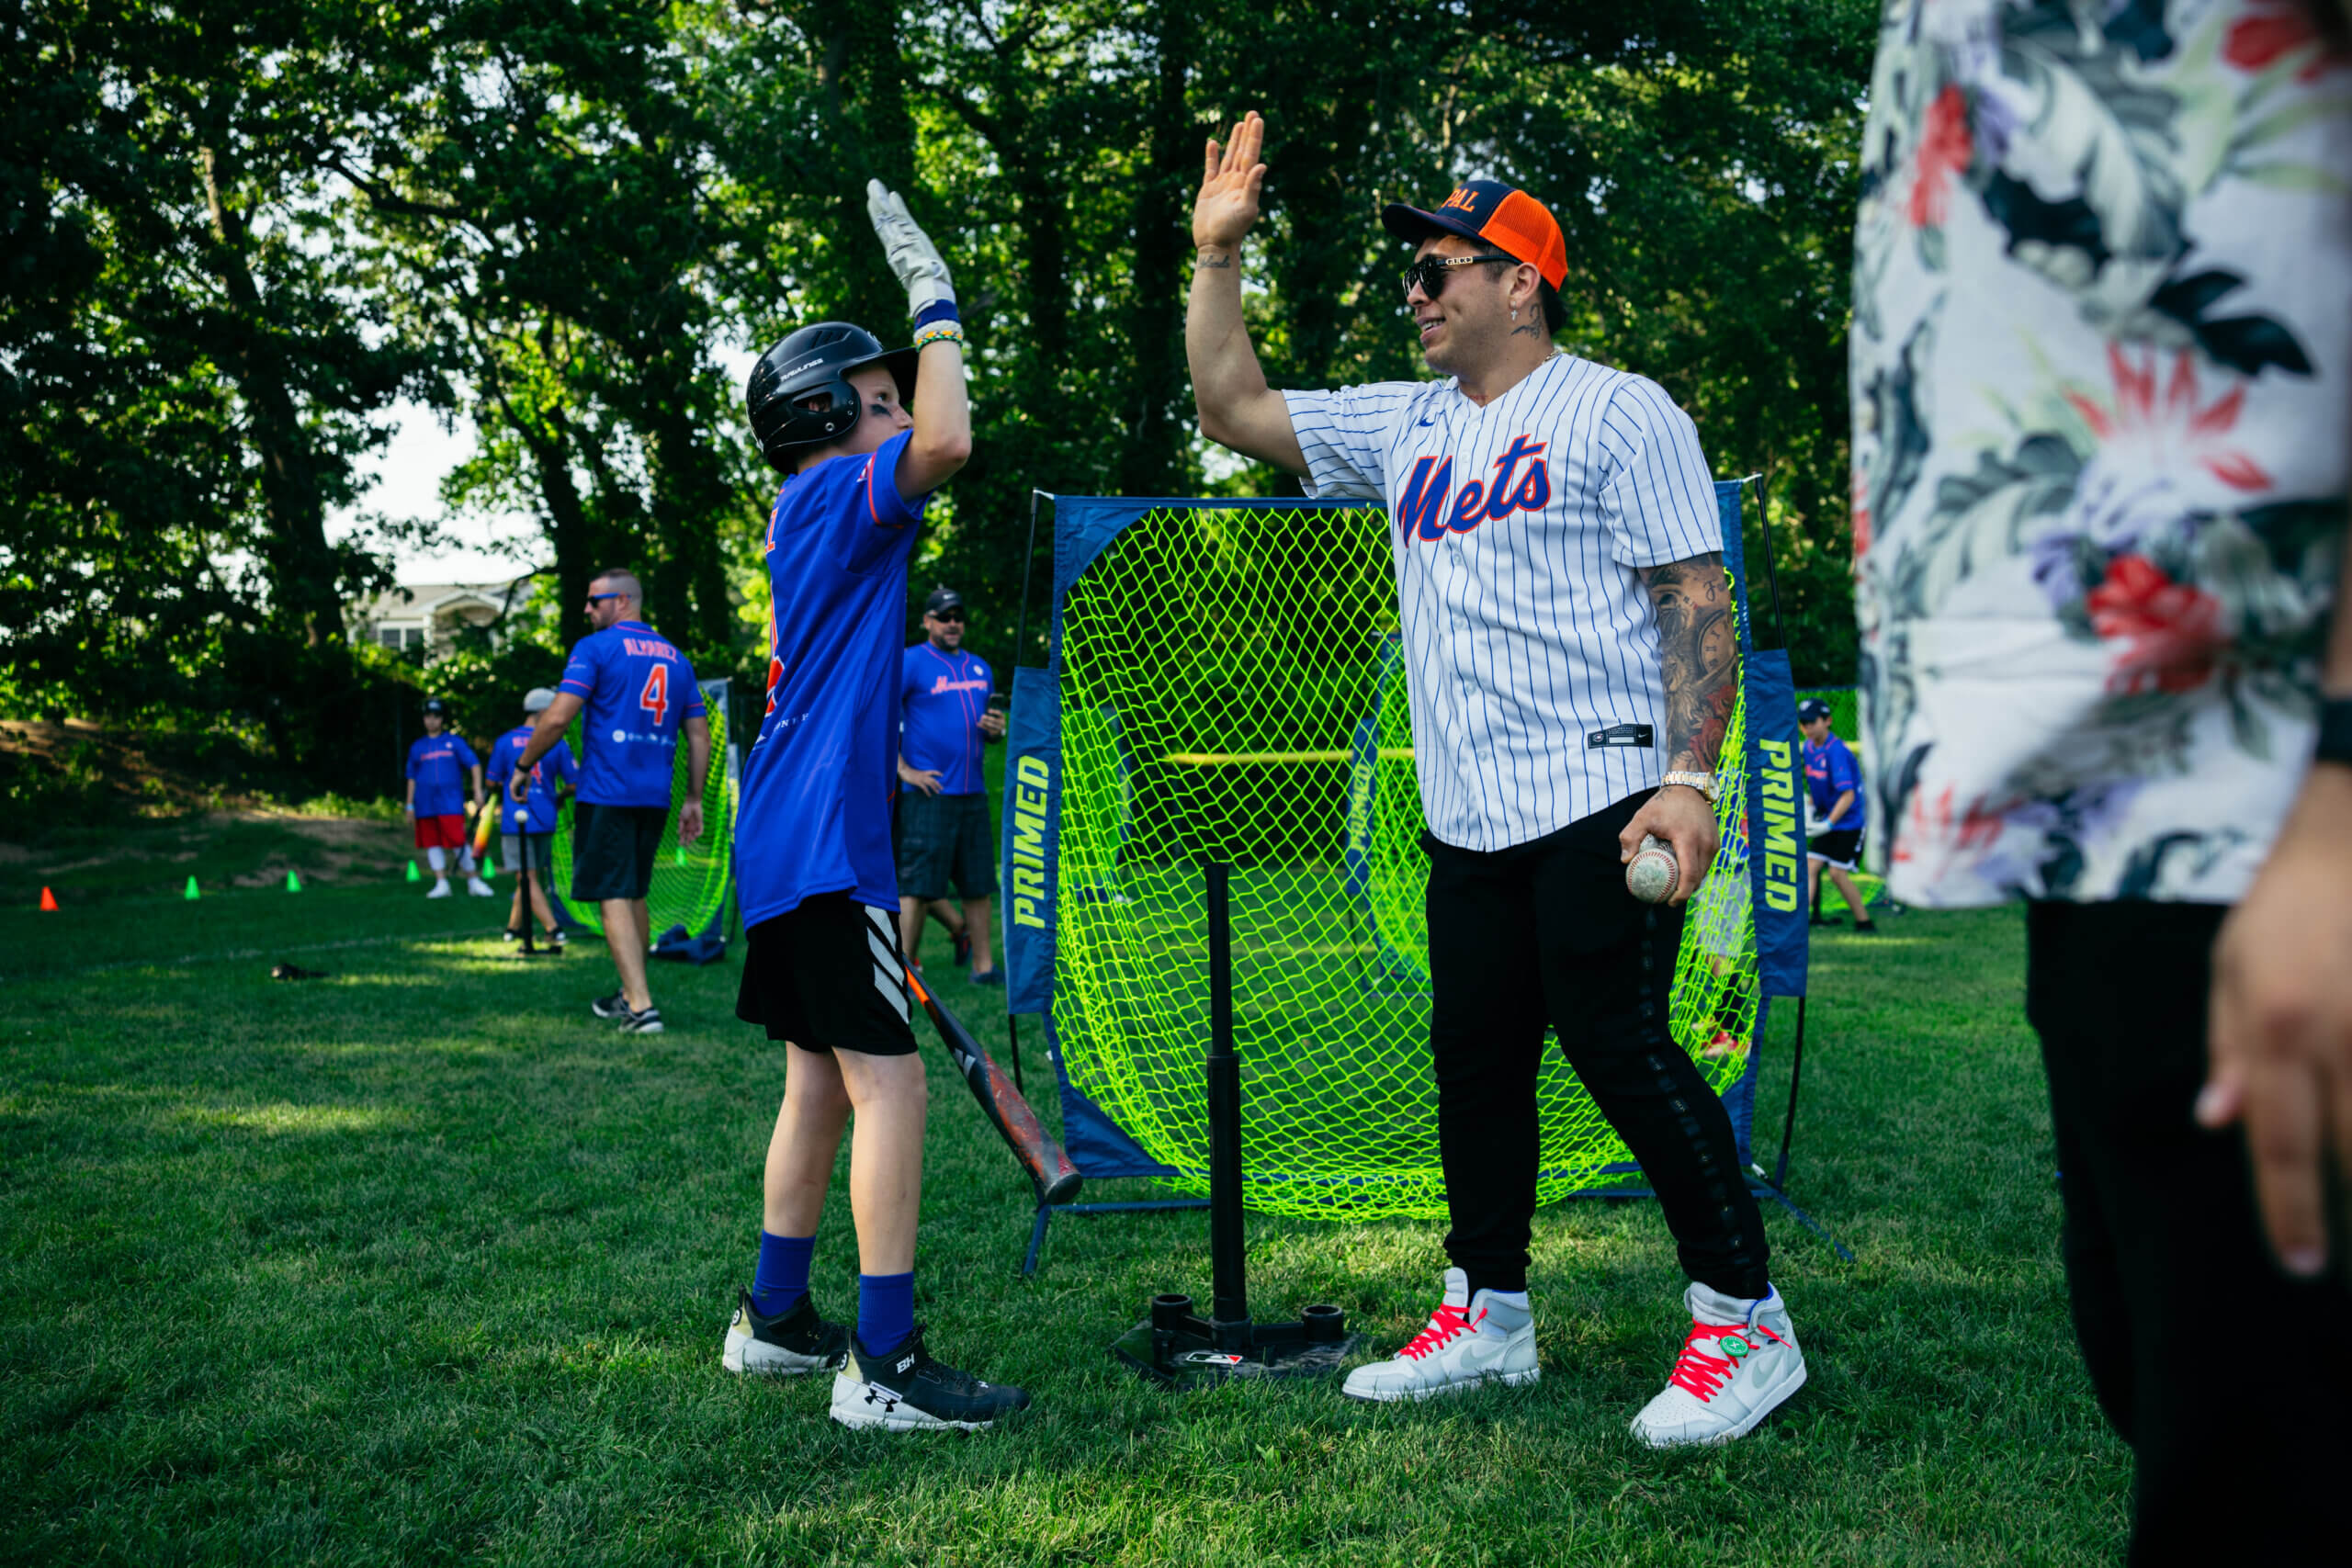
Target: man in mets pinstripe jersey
(1570, 671)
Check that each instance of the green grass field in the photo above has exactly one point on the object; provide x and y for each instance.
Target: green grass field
(418, 1263)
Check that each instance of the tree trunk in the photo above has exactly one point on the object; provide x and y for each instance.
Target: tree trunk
(1154, 460)
(301, 566)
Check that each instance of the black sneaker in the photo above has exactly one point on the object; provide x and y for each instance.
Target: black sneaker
(646, 1023)
(963, 948)
(786, 1345)
(510, 934)
(614, 1006)
(988, 978)
(912, 1393)
(554, 939)
(1866, 928)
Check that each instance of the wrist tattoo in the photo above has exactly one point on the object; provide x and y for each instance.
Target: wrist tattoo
(1220, 260)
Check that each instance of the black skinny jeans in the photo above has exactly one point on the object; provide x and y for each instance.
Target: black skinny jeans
(2226, 1377)
(1545, 932)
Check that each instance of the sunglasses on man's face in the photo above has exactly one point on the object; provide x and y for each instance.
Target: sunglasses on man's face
(600, 598)
(956, 616)
(1428, 274)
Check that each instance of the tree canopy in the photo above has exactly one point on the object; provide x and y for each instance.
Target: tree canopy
(238, 235)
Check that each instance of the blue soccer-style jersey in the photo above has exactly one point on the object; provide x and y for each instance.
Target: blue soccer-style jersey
(1829, 771)
(439, 764)
(640, 692)
(814, 812)
(537, 813)
(943, 695)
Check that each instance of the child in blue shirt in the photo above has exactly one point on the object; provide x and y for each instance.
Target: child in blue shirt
(863, 435)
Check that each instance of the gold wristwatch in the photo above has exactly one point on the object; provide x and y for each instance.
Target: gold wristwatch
(1703, 782)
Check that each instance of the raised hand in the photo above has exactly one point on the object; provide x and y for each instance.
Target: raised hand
(915, 260)
(1228, 203)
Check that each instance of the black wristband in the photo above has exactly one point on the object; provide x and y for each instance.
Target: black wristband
(2335, 730)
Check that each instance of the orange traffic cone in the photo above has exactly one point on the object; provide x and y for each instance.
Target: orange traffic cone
(48, 902)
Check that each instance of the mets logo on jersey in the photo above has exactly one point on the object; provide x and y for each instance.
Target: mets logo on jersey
(1428, 507)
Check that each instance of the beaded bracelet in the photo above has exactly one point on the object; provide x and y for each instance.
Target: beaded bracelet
(940, 332)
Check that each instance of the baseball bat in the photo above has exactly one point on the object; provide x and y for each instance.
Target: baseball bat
(1048, 1165)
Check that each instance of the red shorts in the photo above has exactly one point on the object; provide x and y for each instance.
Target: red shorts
(441, 832)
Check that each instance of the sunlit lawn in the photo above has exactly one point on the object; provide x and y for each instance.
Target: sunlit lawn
(418, 1262)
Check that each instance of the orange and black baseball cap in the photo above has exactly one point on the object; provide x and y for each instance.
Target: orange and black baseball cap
(1489, 210)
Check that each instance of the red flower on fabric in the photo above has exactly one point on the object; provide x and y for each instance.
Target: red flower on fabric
(2172, 630)
(1944, 151)
(2177, 430)
(2273, 28)
(1861, 513)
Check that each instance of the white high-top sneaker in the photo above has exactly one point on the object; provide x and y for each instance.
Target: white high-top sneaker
(1489, 1338)
(1739, 1360)
(480, 890)
(440, 888)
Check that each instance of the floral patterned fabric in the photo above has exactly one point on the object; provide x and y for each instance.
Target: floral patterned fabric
(2102, 331)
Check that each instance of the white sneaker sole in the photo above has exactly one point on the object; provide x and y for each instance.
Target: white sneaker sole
(1745, 1425)
(859, 1403)
(1431, 1391)
(743, 1355)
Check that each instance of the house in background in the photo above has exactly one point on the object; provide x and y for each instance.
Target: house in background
(424, 617)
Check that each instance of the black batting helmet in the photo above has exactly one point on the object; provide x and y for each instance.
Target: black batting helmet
(800, 393)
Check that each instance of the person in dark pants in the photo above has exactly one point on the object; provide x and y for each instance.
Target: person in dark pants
(1567, 630)
(2128, 701)
(942, 832)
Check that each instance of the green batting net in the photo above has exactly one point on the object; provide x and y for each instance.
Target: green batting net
(1231, 689)
(691, 882)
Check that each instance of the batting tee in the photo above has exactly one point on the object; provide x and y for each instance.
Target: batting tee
(1223, 682)
(693, 885)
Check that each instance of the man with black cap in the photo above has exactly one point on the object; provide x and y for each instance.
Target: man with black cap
(1833, 783)
(943, 824)
(1570, 671)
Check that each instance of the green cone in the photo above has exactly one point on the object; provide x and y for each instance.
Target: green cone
(679, 854)
(191, 893)
(414, 874)
(293, 883)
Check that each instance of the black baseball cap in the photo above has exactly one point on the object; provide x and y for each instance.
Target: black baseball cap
(435, 704)
(1811, 709)
(1492, 213)
(941, 601)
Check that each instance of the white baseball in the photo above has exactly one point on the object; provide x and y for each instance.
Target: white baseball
(1653, 872)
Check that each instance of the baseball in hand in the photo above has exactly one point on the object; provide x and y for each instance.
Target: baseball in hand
(1652, 874)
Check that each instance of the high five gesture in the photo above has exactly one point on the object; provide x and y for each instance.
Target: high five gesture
(1236, 408)
(1228, 203)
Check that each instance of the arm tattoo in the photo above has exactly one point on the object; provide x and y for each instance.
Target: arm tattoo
(1211, 259)
(1698, 652)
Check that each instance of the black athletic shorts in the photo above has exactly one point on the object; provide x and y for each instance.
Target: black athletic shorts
(612, 848)
(944, 837)
(1841, 848)
(826, 976)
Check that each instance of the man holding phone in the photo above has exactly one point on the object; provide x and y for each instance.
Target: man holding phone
(943, 824)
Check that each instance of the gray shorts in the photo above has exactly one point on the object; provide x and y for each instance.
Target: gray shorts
(510, 852)
(945, 839)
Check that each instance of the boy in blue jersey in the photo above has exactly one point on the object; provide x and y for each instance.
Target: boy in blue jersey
(863, 440)
(1833, 781)
(640, 695)
(441, 766)
(942, 833)
(529, 824)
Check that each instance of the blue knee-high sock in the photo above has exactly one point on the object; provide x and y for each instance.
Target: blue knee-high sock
(886, 1311)
(783, 1278)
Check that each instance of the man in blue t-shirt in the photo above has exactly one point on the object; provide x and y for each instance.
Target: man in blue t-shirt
(943, 825)
(526, 826)
(640, 695)
(863, 436)
(1833, 782)
(444, 775)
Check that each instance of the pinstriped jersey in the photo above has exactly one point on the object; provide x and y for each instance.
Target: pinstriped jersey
(1532, 648)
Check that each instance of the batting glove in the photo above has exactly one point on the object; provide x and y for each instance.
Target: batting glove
(913, 255)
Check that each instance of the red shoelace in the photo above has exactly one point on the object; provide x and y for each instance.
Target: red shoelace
(1444, 1325)
(1697, 1372)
